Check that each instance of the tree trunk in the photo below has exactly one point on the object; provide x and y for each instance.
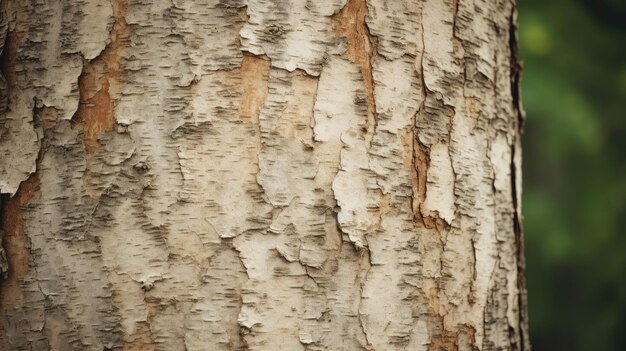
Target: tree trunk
(260, 175)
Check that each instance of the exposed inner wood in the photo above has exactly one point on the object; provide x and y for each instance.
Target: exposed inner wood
(15, 240)
(95, 112)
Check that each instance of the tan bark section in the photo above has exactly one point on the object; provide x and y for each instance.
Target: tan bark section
(254, 77)
(261, 175)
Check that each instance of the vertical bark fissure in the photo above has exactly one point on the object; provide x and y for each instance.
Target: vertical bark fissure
(4, 42)
(515, 75)
(4, 92)
(421, 159)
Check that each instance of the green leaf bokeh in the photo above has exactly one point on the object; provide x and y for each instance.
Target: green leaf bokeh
(574, 203)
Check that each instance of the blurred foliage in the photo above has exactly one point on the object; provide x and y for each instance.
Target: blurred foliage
(574, 94)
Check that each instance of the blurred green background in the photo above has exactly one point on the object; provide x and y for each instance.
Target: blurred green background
(574, 94)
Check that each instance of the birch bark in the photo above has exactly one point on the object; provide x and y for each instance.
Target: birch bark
(260, 175)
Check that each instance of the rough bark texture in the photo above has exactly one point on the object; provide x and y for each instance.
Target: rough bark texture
(260, 175)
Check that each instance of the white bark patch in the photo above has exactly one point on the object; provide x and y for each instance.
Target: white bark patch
(272, 297)
(398, 96)
(395, 267)
(397, 25)
(289, 249)
(95, 20)
(294, 34)
(210, 29)
(394, 247)
(352, 188)
(340, 118)
(397, 89)
(440, 55)
(229, 177)
(340, 91)
(479, 30)
(440, 184)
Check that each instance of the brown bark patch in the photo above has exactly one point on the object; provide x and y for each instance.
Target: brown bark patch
(254, 77)
(14, 239)
(47, 116)
(96, 110)
(464, 338)
(472, 107)
(8, 60)
(433, 299)
(349, 23)
(446, 341)
(419, 175)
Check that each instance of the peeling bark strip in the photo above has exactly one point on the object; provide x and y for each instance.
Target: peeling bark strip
(260, 175)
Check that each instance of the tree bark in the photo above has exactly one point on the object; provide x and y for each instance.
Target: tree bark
(260, 175)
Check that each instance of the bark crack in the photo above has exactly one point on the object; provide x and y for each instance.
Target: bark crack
(421, 159)
(350, 23)
(515, 74)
